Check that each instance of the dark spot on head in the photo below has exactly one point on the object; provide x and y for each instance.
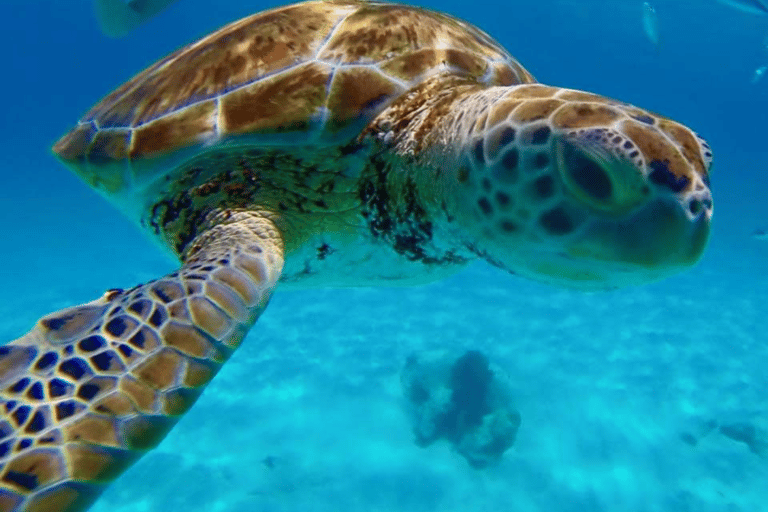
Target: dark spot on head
(628, 144)
(486, 184)
(463, 174)
(545, 187)
(9, 405)
(556, 222)
(507, 136)
(91, 343)
(46, 361)
(508, 226)
(478, 151)
(485, 206)
(116, 327)
(24, 444)
(510, 160)
(502, 198)
(5, 448)
(540, 135)
(643, 119)
(540, 161)
(662, 176)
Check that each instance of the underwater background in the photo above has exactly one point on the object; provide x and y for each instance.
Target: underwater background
(653, 398)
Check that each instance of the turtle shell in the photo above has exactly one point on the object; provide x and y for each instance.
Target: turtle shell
(309, 73)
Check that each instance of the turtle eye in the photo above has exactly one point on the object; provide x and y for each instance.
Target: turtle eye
(585, 176)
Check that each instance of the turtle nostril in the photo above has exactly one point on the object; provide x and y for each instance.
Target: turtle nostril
(695, 206)
(590, 178)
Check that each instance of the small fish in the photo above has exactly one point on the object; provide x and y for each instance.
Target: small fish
(760, 234)
(748, 6)
(651, 24)
(118, 17)
(758, 74)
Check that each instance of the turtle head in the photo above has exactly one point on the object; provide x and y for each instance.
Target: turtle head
(576, 189)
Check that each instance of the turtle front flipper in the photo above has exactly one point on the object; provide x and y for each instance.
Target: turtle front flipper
(92, 388)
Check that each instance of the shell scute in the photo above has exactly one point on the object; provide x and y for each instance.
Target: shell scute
(314, 72)
(377, 32)
(109, 145)
(284, 102)
(509, 73)
(241, 53)
(356, 91)
(178, 129)
(74, 145)
(409, 67)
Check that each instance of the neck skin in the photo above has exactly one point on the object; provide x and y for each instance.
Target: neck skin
(428, 132)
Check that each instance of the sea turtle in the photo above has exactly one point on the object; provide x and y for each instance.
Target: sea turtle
(325, 143)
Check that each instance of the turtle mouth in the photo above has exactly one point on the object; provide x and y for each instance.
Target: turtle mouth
(657, 239)
(589, 272)
(651, 243)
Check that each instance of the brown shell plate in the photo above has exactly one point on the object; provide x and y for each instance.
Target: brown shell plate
(306, 73)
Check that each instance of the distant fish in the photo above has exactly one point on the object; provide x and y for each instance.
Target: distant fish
(750, 6)
(118, 17)
(760, 234)
(758, 74)
(651, 24)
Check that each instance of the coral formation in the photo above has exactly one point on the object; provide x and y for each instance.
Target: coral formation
(463, 401)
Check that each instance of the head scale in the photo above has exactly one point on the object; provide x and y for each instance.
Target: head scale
(574, 188)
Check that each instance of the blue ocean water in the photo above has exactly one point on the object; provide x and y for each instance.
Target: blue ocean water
(618, 391)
